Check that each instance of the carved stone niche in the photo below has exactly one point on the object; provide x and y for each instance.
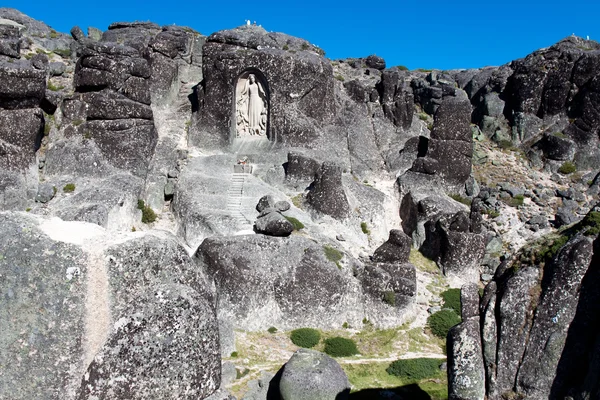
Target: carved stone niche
(251, 106)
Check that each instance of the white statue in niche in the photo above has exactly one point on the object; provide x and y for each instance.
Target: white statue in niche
(251, 107)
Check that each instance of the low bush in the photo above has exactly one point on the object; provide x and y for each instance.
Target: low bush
(415, 368)
(340, 347)
(305, 337)
(297, 224)
(441, 322)
(365, 228)
(592, 222)
(567, 168)
(451, 299)
(148, 214)
(402, 68)
(272, 329)
(69, 188)
(389, 297)
(333, 254)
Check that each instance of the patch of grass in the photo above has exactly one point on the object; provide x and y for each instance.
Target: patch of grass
(298, 200)
(416, 369)
(567, 168)
(78, 122)
(234, 354)
(365, 228)
(64, 53)
(345, 325)
(591, 222)
(339, 77)
(28, 209)
(421, 262)
(53, 87)
(402, 68)
(559, 135)
(305, 337)
(441, 322)
(333, 255)
(376, 342)
(423, 116)
(297, 224)
(272, 330)
(69, 188)
(285, 47)
(451, 299)
(53, 34)
(340, 347)
(464, 200)
(516, 200)
(389, 297)
(492, 213)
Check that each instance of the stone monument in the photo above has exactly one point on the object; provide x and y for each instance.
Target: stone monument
(251, 105)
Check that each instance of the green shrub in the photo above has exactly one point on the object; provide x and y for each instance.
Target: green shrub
(234, 354)
(272, 329)
(461, 199)
(389, 297)
(441, 322)
(64, 53)
(423, 116)
(451, 299)
(340, 347)
(592, 223)
(297, 224)
(333, 254)
(415, 368)
(69, 188)
(339, 77)
(148, 215)
(305, 337)
(141, 204)
(567, 168)
(365, 228)
(345, 325)
(402, 68)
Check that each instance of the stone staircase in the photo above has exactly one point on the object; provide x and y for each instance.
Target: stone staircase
(234, 200)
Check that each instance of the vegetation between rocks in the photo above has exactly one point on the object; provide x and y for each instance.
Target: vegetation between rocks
(148, 214)
(305, 337)
(441, 322)
(416, 368)
(295, 222)
(69, 188)
(451, 299)
(340, 347)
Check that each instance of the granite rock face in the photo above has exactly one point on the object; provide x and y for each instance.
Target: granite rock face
(327, 193)
(90, 314)
(536, 336)
(299, 84)
(289, 282)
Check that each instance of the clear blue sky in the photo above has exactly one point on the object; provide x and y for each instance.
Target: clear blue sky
(441, 34)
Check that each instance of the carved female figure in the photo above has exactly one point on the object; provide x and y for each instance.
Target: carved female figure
(251, 108)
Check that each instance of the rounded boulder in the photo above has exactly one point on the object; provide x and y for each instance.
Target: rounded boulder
(312, 375)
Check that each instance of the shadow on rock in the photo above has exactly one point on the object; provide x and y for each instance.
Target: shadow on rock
(412, 392)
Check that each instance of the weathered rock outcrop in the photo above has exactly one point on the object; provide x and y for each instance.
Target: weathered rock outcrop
(327, 192)
(466, 373)
(86, 315)
(537, 317)
(311, 375)
(288, 282)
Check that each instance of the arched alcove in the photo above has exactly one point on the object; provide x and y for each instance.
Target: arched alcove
(251, 106)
